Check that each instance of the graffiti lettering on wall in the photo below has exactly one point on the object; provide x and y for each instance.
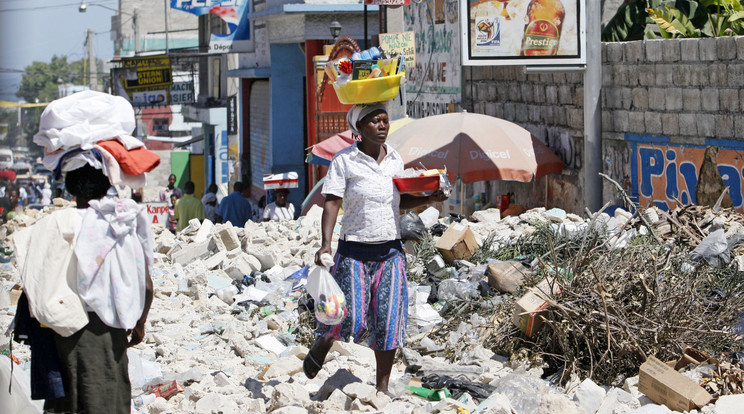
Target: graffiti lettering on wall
(568, 149)
(663, 172)
(419, 110)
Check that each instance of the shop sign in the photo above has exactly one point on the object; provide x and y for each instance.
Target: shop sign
(402, 43)
(182, 93)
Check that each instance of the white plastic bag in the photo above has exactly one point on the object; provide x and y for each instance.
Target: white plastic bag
(330, 302)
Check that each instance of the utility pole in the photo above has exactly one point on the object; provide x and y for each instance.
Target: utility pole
(165, 13)
(592, 108)
(92, 67)
(135, 23)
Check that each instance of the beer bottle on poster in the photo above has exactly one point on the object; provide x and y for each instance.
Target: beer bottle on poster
(542, 30)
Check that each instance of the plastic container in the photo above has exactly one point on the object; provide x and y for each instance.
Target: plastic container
(417, 184)
(369, 90)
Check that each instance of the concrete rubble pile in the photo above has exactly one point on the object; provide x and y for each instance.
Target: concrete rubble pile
(224, 331)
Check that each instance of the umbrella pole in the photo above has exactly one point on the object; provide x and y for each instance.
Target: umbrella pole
(462, 194)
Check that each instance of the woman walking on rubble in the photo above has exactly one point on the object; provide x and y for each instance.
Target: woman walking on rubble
(85, 270)
(370, 265)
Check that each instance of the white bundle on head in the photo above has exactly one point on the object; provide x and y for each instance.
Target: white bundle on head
(82, 119)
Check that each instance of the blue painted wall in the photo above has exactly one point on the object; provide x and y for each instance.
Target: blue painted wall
(287, 120)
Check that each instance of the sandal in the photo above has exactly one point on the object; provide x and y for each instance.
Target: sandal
(311, 366)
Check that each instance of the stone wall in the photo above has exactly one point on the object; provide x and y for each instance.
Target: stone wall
(686, 91)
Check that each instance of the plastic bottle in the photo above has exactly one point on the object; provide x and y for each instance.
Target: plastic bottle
(375, 53)
(143, 400)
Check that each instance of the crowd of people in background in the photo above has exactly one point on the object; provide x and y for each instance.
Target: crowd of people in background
(236, 208)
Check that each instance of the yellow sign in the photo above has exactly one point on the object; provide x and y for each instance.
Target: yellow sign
(400, 42)
(151, 71)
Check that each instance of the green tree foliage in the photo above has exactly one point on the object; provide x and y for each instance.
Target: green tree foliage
(40, 79)
(675, 18)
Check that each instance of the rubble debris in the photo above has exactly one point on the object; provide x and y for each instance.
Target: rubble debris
(231, 321)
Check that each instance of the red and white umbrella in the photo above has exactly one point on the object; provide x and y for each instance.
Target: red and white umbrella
(474, 147)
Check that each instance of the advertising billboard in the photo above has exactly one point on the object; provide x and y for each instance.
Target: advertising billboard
(523, 32)
(233, 12)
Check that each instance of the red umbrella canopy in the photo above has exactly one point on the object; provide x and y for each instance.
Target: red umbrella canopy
(474, 147)
(323, 152)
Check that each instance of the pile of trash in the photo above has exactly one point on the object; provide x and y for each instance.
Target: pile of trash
(541, 313)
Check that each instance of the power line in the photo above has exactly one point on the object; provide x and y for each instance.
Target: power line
(46, 7)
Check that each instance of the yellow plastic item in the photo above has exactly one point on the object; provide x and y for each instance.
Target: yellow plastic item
(369, 90)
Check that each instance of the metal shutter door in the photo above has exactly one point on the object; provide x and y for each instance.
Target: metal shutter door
(260, 110)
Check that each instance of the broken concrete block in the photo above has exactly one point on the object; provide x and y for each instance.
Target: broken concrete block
(290, 409)
(289, 394)
(361, 407)
(558, 403)
(164, 242)
(193, 227)
(283, 367)
(267, 257)
(215, 260)
(340, 379)
(338, 401)
(367, 394)
(589, 396)
(221, 379)
(191, 252)
(243, 265)
(652, 409)
(205, 230)
(730, 404)
(226, 237)
(496, 403)
(350, 349)
(214, 403)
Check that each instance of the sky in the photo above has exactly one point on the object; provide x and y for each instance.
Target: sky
(36, 30)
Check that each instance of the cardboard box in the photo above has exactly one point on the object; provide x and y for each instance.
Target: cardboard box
(457, 243)
(663, 385)
(507, 276)
(528, 309)
(691, 356)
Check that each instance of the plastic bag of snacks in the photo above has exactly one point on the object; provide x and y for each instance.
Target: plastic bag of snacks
(330, 302)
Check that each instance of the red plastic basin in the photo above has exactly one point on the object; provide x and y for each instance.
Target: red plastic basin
(417, 184)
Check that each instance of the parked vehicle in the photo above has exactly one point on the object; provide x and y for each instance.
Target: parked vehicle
(6, 158)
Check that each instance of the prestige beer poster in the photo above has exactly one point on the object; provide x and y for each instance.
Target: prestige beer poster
(523, 32)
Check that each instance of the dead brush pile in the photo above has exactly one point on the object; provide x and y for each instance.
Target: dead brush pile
(617, 307)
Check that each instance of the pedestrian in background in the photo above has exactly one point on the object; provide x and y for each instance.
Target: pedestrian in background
(10, 205)
(188, 207)
(172, 222)
(169, 189)
(281, 209)
(209, 200)
(235, 208)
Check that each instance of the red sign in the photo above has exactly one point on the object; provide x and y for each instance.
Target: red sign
(387, 2)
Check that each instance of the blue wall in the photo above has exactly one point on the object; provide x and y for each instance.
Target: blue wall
(287, 114)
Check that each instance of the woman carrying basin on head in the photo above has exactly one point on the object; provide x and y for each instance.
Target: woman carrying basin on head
(370, 265)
